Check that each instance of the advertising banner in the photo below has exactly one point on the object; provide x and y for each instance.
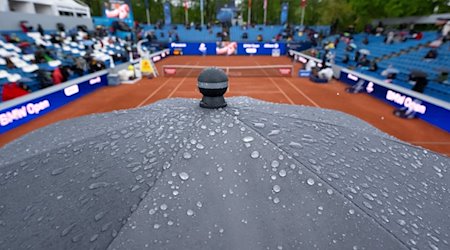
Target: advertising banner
(120, 9)
(427, 111)
(284, 12)
(261, 49)
(228, 48)
(193, 48)
(19, 114)
(167, 15)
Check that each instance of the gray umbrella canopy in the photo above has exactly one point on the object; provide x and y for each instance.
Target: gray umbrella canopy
(254, 175)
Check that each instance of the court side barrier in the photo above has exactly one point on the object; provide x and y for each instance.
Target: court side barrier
(427, 108)
(26, 108)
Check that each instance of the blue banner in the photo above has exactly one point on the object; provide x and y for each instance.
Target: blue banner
(261, 48)
(228, 48)
(17, 115)
(284, 13)
(427, 111)
(167, 15)
(193, 48)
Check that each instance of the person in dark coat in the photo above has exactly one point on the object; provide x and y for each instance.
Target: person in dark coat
(40, 30)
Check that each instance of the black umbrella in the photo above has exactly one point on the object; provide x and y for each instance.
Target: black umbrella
(253, 175)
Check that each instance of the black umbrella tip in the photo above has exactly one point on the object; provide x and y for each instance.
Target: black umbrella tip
(213, 84)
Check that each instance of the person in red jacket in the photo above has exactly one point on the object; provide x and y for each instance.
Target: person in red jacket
(57, 76)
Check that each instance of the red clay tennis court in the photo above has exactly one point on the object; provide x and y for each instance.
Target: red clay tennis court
(267, 86)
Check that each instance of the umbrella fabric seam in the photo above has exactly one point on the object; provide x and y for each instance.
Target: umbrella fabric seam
(162, 172)
(338, 191)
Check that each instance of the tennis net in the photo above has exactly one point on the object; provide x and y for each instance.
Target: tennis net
(232, 71)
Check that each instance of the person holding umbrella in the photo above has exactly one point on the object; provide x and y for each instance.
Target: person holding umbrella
(390, 73)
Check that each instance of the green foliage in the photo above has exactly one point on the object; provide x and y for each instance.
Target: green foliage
(347, 12)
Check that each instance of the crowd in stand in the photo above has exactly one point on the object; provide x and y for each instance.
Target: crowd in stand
(35, 60)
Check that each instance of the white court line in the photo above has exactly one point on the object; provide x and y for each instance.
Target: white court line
(301, 92)
(276, 85)
(181, 82)
(154, 92)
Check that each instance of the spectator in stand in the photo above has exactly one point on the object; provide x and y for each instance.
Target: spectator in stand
(431, 54)
(95, 65)
(40, 30)
(446, 31)
(389, 39)
(363, 62)
(365, 40)
(57, 76)
(373, 66)
(380, 29)
(259, 38)
(25, 27)
(390, 73)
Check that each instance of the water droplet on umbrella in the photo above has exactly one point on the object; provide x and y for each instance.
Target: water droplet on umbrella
(367, 204)
(276, 188)
(163, 207)
(330, 191)
(274, 132)
(259, 125)
(199, 204)
(248, 139)
(295, 145)
(58, 171)
(351, 211)
(98, 185)
(275, 164)
(254, 154)
(175, 192)
(184, 176)
(276, 200)
(152, 211)
(99, 216)
(67, 230)
(401, 222)
(77, 238)
(190, 212)
(199, 146)
(170, 223)
(94, 238)
(187, 155)
(310, 182)
(156, 226)
(282, 173)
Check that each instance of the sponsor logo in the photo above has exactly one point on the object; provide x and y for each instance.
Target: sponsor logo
(271, 45)
(22, 112)
(285, 71)
(156, 58)
(202, 48)
(352, 77)
(369, 87)
(251, 45)
(95, 80)
(170, 71)
(178, 45)
(250, 50)
(72, 90)
(405, 101)
(302, 59)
